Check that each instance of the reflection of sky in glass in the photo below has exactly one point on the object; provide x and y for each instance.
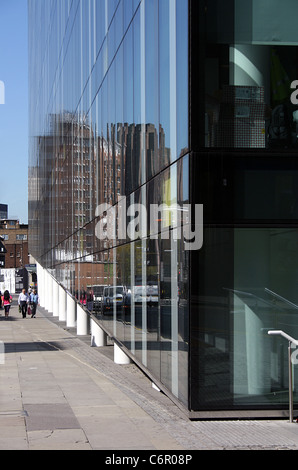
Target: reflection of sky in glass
(123, 58)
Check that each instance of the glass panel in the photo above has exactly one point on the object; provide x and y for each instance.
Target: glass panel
(128, 86)
(152, 85)
(183, 320)
(153, 306)
(236, 362)
(137, 297)
(165, 313)
(138, 100)
(264, 298)
(164, 67)
(182, 77)
(250, 63)
(266, 193)
(108, 115)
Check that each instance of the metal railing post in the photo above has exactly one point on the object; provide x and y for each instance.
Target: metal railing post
(291, 341)
(290, 385)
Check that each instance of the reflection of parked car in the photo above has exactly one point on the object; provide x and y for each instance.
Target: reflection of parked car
(97, 297)
(112, 295)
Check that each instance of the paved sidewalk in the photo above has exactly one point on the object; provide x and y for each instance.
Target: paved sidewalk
(58, 392)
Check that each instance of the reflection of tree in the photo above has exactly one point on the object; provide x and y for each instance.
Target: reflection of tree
(108, 271)
(153, 262)
(123, 265)
(138, 262)
(124, 262)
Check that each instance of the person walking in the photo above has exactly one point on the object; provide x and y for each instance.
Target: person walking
(34, 301)
(23, 302)
(6, 299)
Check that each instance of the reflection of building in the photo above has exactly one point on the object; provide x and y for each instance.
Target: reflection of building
(3, 211)
(193, 108)
(15, 240)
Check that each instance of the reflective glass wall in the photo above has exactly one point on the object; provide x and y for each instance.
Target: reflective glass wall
(244, 134)
(108, 136)
(250, 65)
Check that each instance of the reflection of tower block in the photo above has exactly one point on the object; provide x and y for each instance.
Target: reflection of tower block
(242, 118)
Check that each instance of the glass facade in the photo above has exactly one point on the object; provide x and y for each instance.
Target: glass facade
(244, 143)
(250, 65)
(109, 129)
(137, 104)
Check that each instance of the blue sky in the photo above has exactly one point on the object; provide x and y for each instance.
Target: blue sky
(14, 112)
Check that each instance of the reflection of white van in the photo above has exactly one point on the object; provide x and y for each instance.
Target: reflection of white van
(113, 295)
(97, 296)
(152, 294)
(145, 294)
(139, 293)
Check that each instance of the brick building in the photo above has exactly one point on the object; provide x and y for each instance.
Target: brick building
(15, 240)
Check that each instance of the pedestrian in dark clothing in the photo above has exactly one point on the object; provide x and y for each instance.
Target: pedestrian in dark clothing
(23, 302)
(34, 301)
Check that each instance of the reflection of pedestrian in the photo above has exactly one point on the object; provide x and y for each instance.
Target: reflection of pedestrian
(90, 301)
(33, 299)
(83, 298)
(7, 299)
(23, 301)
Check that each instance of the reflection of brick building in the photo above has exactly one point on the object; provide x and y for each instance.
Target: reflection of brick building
(15, 241)
(83, 168)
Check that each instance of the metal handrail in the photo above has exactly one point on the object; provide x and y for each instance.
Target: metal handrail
(291, 341)
(285, 335)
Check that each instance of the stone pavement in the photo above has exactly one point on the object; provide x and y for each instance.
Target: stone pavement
(58, 392)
